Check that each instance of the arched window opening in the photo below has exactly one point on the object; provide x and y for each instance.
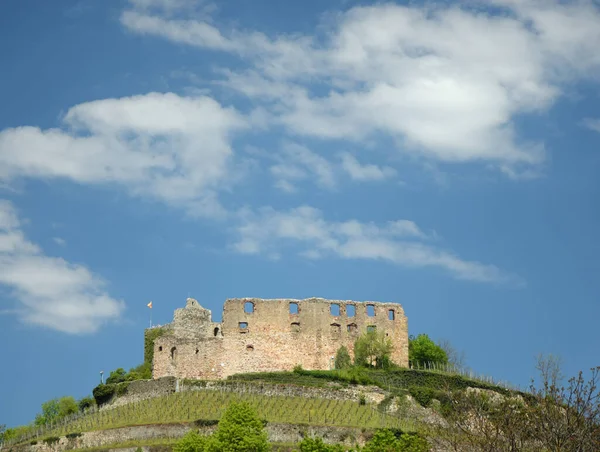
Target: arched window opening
(160, 348)
(371, 310)
(293, 308)
(295, 327)
(216, 331)
(173, 353)
(248, 307)
(335, 329)
(350, 310)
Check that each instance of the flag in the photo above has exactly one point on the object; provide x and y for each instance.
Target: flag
(150, 305)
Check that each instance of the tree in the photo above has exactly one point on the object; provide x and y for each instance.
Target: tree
(56, 409)
(342, 358)
(373, 349)
(239, 430)
(568, 418)
(422, 349)
(455, 358)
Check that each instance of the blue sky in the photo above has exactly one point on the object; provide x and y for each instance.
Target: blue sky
(440, 156)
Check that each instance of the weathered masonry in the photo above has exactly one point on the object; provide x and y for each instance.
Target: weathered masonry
(259, 335)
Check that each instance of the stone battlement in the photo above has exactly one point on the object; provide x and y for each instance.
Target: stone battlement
(258, 335)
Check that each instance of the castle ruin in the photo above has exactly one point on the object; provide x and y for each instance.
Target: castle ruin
(258, 335)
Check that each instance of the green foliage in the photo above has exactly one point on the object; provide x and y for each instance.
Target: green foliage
(86, 402)
(342, 358)
(51, 440)
(239, 429)
(103, 393)
(149, 337)
(422, 349)
(387, 440)
(117, 376)
(141, 372)
(73, 435)
(317, 445)
(56, 409)
(373, 349)
(191, 442)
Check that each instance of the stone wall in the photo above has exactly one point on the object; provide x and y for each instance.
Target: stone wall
(259, 335)
(281, 433)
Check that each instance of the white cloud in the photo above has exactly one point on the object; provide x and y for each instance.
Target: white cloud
(171, 148)
(51, 291)
(592, 124)
(368, 172)
(59, 241)
(305, 229)
(296, 163)
(444, 82)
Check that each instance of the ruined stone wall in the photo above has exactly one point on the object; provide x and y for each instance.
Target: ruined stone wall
(259, 335)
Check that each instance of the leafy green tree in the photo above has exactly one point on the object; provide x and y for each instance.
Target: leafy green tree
(317, 445)
(117, 376)
(191, 442)
(239, 430)
(422, 349)
(342, 358)
(56, 409)
(373, 349)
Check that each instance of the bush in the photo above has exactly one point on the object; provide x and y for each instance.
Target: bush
(391, 440)
(86, 402)
(342, 358)
(191, 442)
(117, 376)
(51, 440)
(317, 445)
(103, 393)
(73, 435)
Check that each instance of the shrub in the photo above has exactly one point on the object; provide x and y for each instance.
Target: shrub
(85, 403)
(342, 358)
(191, 442)
(392, 440)
(73, 435)
(51, 440)
(103, 393)
(116, 376)
(317, 445)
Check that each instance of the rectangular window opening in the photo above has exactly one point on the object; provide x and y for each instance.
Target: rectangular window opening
(334, 309)
(370, 310)
(248, 307)
(350, 310)
(371, 329)
(391, 315)
(293, 308)
(243, 325)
